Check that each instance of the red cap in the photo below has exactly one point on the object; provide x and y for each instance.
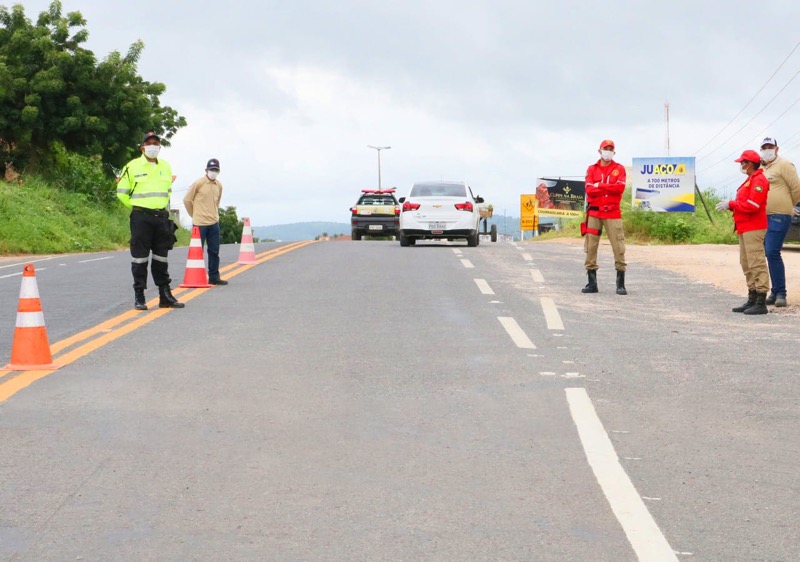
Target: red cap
(605, 143)
(750, 156)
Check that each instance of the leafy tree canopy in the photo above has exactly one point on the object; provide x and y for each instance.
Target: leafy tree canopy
(55, 95)
(230, 227)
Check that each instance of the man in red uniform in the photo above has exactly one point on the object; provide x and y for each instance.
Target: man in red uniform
(605, 183)
(750, 222)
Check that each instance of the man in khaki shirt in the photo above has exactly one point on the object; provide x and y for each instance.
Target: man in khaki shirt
(202, 204)
(784, 194)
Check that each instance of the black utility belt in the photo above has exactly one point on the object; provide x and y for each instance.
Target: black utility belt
(154, 212)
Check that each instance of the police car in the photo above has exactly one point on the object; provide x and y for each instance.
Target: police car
(376, 213)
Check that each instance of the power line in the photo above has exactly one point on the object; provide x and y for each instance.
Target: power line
(752, 118)
(758, 134)
(709, 141)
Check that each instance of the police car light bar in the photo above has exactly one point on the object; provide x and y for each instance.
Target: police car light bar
(379, 191)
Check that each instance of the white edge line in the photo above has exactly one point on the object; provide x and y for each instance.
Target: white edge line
(22, 263)
(641, 529)
(518, 336)
(484, 287)
(551, 314)
(97, 259)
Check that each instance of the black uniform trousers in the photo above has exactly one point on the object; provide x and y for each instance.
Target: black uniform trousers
(150, 232)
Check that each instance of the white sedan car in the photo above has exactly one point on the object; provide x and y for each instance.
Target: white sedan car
(439, 210)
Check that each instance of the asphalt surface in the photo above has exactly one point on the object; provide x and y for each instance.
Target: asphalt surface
(362, 401)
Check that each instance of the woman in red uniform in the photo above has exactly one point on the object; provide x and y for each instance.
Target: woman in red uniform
(750, 221)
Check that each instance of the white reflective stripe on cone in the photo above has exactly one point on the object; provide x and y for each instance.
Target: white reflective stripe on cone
(195, 264)
(196, 243)
(28, 289)
(30, 319)
(245, 247)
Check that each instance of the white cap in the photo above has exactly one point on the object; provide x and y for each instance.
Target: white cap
(769, 140)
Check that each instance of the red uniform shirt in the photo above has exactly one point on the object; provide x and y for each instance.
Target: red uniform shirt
(750, 206)
(604, 188)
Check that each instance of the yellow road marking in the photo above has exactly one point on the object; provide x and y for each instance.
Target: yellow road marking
(135, 319)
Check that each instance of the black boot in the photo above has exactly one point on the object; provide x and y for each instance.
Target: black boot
(591, 286)
(760, 306)
(621, 283)
(751, 300)
(167, 300)
(138, 300)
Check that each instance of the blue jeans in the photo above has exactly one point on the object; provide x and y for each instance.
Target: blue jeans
(210, 234)
(777, 227)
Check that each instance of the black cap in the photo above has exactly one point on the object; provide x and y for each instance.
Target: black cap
(150, 135)
(213, 164)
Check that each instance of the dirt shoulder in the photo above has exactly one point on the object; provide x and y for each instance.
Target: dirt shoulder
(715, 264)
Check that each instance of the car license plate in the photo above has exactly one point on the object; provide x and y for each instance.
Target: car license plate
(376, 227)
(436, 226)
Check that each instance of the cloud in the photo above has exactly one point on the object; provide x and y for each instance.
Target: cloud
(288, 94)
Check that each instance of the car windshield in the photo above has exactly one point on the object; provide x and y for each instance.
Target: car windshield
(376, 200)
(438, 190)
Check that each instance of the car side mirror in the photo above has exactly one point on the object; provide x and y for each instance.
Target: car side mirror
(402, 199)
(479, 199)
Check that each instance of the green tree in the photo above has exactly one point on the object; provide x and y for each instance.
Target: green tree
(230, 227)
(54, 95)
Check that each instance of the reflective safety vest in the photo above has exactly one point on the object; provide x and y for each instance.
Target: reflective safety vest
(142, 184)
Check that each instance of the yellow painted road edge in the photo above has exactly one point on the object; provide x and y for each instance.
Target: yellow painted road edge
(107, 333)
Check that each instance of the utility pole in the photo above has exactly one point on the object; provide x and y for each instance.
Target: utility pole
(379, 148)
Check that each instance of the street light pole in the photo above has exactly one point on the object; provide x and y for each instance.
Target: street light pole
(379, 148)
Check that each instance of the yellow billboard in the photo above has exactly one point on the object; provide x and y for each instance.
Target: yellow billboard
(528, 212)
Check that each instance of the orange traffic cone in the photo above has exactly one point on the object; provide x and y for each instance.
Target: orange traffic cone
(195, 275)
(247, 252)
(30, 350)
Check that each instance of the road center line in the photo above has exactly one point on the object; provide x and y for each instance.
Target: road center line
(518, 336)
(527, 257)
(107, 332)
(641, 529)
(467, 264)
(551, 314)
(537, 276)
(484, 287)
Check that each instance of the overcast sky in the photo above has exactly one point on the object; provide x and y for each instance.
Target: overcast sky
(288, 94)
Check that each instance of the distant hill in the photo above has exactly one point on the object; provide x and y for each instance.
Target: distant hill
(300, 230)
(310, 230)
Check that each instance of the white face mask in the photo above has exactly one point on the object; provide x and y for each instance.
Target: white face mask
(768, 154)
(606, 155)
(152, 150)
(212, 174)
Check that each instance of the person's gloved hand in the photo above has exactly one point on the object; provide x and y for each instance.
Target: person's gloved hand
(722, 206)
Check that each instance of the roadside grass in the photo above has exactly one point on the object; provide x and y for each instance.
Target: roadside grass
(37, 218)
(647, 227)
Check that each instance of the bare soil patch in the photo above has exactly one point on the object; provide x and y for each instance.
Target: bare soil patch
(714, 264)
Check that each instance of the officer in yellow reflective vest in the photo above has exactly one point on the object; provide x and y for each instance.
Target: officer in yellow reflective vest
(144, 187)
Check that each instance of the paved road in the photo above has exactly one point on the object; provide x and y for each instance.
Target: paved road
(362, 401)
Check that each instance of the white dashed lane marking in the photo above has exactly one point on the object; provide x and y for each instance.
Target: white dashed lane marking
(467, 264)
(97, 259)
(537, 276)
(641, 529)
(518, 336)
(551, 314)
(484, 287)
(456, 251)
(527, 257)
